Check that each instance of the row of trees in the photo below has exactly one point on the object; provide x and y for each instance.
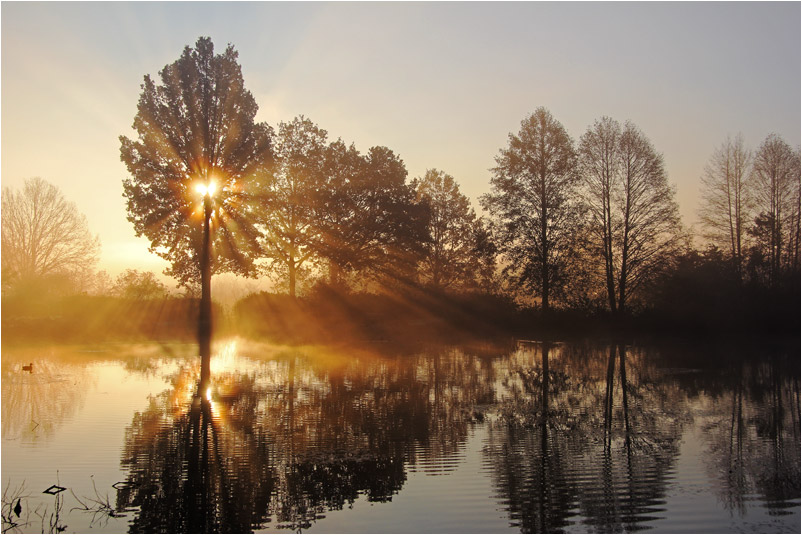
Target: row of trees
(588, 224)
(599, 218)
(285, 201)
(575, 219)
(326, 205)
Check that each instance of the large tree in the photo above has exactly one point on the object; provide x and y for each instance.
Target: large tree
(43, 234)
(196, 129)
(289, 219)
(776, 183)
(450, 256)
(532, 204)
(634, 218)
(726, 200)
(650, 225)
(600, 169)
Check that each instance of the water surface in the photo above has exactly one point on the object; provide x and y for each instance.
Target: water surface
(526, 437)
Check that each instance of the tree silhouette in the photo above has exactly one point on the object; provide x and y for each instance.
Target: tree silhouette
(337, 205)
(43, 234)
(450, 255)
(726, 199)
(195, 130)
(370, 220)
(195, 127)
(634, 217)
(531, 201)
(289, 218)
(776, 182)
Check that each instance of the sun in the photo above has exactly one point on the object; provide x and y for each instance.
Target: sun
(206, 189)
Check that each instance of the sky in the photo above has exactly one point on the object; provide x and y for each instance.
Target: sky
(441, 84)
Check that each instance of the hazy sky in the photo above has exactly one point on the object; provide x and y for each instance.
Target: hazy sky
(442, 84)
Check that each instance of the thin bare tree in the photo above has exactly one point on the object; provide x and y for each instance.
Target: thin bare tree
(775, 178)
(650, 222)
(600, 168)
(727, 200)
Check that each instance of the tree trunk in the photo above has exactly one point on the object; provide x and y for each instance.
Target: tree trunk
(544, 263)
(291, 266)
(335, 273)
(205, 314)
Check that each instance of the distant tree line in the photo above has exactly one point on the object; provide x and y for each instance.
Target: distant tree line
(589, 226)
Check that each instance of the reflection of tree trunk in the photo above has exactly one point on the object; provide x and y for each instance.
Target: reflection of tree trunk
(205, 315)
(199, 491)
(544, 445)
(545, 360)
(624, 403)
(793, 405)
(290, 427)
(777, 419)
(630, 503)
(608, 400)
(736, 426)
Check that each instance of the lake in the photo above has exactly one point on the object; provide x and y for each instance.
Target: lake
(522, 436)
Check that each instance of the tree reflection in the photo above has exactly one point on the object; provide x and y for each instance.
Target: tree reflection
(294, 438)
(35, 403)
(752, 435)
(193, 467)
(576, 439)
(579, 436)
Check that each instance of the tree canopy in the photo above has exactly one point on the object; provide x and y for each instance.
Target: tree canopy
(287, 214)
(196, 126)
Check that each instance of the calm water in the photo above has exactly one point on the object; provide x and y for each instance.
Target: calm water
(532, 437)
